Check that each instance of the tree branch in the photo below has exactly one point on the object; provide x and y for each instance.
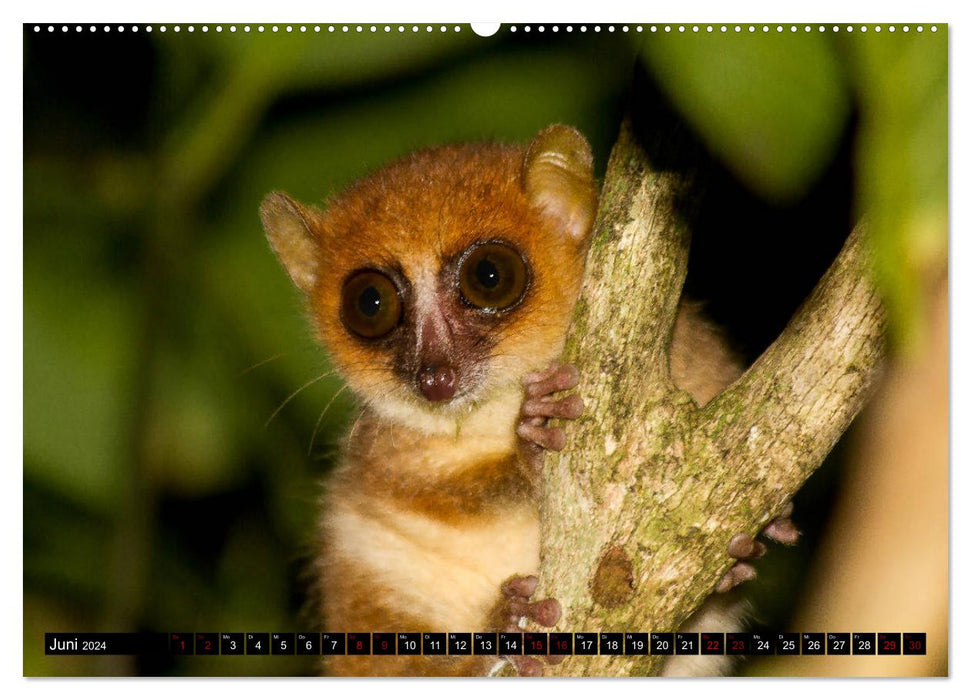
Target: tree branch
(782, 417)
(639, 252)
(639, 509)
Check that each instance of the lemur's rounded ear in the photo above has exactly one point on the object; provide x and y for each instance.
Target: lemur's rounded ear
(558, 179)
(287, 226)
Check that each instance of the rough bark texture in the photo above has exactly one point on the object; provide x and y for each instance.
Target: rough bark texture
(641, 506)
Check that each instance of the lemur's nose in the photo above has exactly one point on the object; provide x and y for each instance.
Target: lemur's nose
(437, 382)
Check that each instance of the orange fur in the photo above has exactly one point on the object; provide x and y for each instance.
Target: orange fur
(429, 207)
(434, 504)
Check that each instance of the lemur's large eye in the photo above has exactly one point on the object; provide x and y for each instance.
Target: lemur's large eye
(370, 305)
(492, 276)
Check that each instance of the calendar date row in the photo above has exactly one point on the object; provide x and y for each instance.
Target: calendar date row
(490, 643)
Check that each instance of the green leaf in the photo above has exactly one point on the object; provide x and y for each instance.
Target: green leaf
(771, 105)
(902, 165)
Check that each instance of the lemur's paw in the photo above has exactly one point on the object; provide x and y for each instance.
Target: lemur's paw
(516, 593)
(782, 529)
(746, 549)
(539, 406)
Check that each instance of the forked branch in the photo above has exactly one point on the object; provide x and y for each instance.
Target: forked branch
(640, 508)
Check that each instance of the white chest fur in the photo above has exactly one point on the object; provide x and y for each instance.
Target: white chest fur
(446, 574)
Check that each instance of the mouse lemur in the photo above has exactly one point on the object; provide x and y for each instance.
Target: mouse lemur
(442, 286)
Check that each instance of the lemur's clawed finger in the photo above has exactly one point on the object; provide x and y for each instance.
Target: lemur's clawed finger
(555, 378)
(569, 407)
(547, 438)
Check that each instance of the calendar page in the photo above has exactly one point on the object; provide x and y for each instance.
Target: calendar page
(586, 350)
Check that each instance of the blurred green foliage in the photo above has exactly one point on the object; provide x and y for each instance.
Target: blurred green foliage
(774, 104)
(903, 165)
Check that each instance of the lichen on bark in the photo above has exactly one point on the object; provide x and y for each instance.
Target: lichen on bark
(639, 509)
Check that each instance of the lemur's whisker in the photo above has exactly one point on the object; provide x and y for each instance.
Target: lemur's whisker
(313, 435)
(291, 396)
